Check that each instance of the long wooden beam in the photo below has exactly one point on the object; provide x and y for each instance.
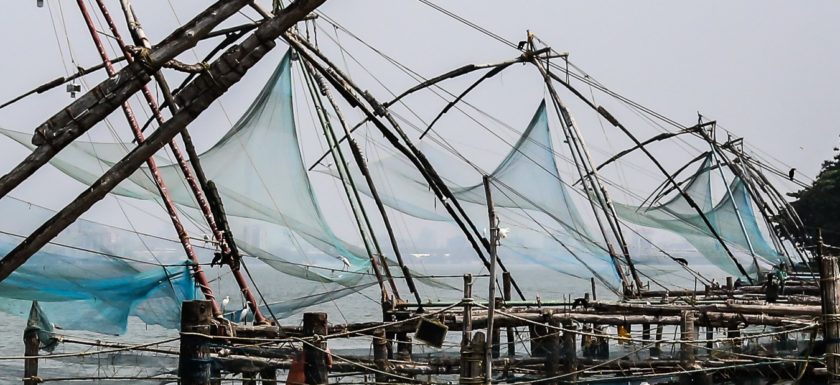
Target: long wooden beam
(194, 99)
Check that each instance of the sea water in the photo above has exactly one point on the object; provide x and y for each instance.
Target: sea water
(535, 282)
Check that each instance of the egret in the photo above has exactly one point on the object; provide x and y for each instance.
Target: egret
(243, 316)
(345, 261)
(503, 232)
(225, 302)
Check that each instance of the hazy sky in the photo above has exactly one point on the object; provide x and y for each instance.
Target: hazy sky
(766, 70)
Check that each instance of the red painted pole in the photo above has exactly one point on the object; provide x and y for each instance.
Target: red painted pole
(200, 197)
(200, 277)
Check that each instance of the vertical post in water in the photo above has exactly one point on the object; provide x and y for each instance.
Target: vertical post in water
(656, 350)
(552, 345)
(466, 333)
(687, 352)
(831, 312)
(380, 355)
(315, 350)
(194, 363)
(570, 350)
(31, 344)
(491, 295)
(510, 332)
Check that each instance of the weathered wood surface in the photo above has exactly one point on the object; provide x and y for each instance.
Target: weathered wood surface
(830, 279)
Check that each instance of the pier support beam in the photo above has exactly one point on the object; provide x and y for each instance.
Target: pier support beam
(570, 350)
(30, 365)
(315, 356)
(380, 355)
(194, 363)
(831, 311)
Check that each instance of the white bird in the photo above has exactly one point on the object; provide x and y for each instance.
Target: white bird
(345, 261)
(225, 302)
(243, 315)
(503, 232)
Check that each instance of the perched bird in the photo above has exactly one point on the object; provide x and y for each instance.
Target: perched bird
(345, 261)
(503, 232)
(243, 315)
(225, 302)
(791, 173)
(682, 261)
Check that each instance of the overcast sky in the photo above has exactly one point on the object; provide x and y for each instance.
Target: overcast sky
(766, 70)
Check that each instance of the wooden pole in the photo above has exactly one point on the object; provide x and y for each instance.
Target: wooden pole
(510, 332)
(551, 343)
(380, 355)
(830, 285)
(315, 356)
(31, 344)
(687, 351)
(493, 224)
(466, 333)
(194, 363)
(570, 350)
(656, 350)
(194, 99)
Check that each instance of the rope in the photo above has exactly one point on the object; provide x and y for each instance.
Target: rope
(82, 354)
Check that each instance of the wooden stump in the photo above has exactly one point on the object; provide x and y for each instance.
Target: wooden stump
(194, 363)
(315, 356)
(31, 344)
(831, 311)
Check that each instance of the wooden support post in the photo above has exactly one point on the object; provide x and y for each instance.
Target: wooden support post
(315, 356)
(268, 376)
(570, 350)
(31, 343)
(497, 334)
(551, 343)
(645, 334)
(656, 350)
(402, 338)
(492, 331)
(592, 282)
(831, 311)
(687, 350)
(734, 332)
(249, 378)
(466, 333)
(710, 336)
(380, 355)
(509, 331)
(539, 335)
(403, 347)
(730, 286)
(194, 363)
